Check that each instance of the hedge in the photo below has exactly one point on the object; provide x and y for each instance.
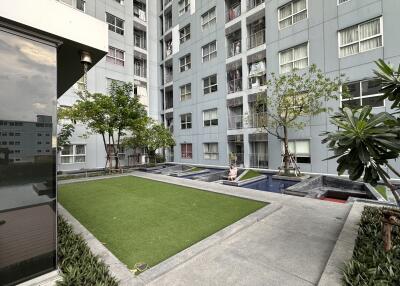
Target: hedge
(76, 262)
(370, 264)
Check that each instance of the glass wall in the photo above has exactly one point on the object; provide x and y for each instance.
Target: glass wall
(27, 158)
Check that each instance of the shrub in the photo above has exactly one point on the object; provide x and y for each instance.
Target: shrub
(370, 264)
(76, 262)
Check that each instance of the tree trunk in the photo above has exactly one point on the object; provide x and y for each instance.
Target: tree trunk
(286, 155)
(105, 148)
(387, 236)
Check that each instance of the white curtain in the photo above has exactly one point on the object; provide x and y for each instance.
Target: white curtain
(371, 44)
(299, 6)
(348, 36)
(349, 50)
(300, 52)
(303, 147)
(370, 29)
(286, 57)
(285, 11)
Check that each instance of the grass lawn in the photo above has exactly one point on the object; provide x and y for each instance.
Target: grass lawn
(382, 190)
(141, 220)
(250, 174)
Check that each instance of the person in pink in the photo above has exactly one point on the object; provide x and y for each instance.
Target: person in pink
(232, 175)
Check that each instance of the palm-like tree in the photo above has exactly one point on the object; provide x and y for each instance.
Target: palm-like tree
(364, 144)
(390, 82)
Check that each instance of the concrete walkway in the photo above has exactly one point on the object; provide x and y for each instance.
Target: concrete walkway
(289, 247)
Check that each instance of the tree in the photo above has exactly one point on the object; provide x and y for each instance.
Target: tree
(364, 144)
(64, 130)
(109, 116)
(291, 99)
(151, 136)
(390, 82)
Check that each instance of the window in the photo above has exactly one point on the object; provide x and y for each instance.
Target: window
(361, 93)
(120, 1)
(360, 38)
(73, 154)
(293, 58)
(209, 51)
(186, 121)
(342, 1)
(210, 84)
(78, 4)
(300, 150)
(292, 13)
(210, 151)
(139, 67)
(186, 151)
(115, 24)
(184, 6)
(186, 92)
(184, 34)
(110, 81)
(139, 10)
(185, 63)
(115, 56)
(139, 38)
(208, 19)
(210, 117)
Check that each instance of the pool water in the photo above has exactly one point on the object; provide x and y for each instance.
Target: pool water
(270, 185)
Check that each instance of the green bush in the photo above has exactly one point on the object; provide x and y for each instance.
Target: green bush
(76, 262)
(370, 264)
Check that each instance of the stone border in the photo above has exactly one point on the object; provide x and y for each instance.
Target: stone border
(126, 277)
(343, 250)
(245, 182)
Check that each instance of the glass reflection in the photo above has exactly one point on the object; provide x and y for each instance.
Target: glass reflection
(27, 158)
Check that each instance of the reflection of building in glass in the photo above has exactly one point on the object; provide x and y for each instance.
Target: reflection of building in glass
(24, 141)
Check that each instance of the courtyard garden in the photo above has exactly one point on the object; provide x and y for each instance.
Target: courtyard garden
(146, 221)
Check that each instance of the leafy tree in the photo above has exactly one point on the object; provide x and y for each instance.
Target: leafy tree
(364, 144)
(109, 116)
(65, 134)
(291, 99)
(390, 82)
(151, 136)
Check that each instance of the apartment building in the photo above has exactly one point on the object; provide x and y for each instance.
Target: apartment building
(199, 66)
(132, 57)
(215, 57)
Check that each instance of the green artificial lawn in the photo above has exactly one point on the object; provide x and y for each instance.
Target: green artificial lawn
(382, 190)
(250, 174)
(141, 220)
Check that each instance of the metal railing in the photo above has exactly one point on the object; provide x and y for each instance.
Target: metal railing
(140, 42)
(256, 39)
(169, 103)
(234, 48)
(168, 77)
(140, 14)
(235, 122)
(233, 12)
(140, 71)
(235, 85)
(253, 3)
(258, 160)
(236, 158)
(257, 120)
(260, 81)
(168, 24)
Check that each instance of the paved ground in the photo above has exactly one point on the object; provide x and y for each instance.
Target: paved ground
(289, 247)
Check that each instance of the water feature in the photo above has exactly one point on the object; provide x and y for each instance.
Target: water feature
(270, 184)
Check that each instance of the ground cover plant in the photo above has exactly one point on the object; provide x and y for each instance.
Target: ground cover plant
(76, 262)
(142, 220)
(370, 264)
(250, 174)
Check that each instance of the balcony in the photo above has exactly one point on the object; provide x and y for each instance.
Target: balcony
(256, 39)
(257, 74)
(253, 4)
(140, 68)
(234, 48)
(168, 22)
(168, 48)
(257, 120)
(139, 10)
(168, 75)
(258, 160)
(169, 100)
(235, 122)
(235, 85)
(233, 12)
(140, 39)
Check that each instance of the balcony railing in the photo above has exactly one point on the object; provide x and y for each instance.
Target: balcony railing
(256, 39)
(257, 120)
(235, 85)
(140, 71)
(140, 14)
(236, 158)
(140, 42)
(256, 82)
(253, 3)
(235, 48)
(235, 122)
(168, 24)
(168, 77)
(169, 104)
(233, 12)
(258, 160)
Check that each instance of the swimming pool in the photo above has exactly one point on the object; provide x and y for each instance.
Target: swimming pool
(270, 184)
